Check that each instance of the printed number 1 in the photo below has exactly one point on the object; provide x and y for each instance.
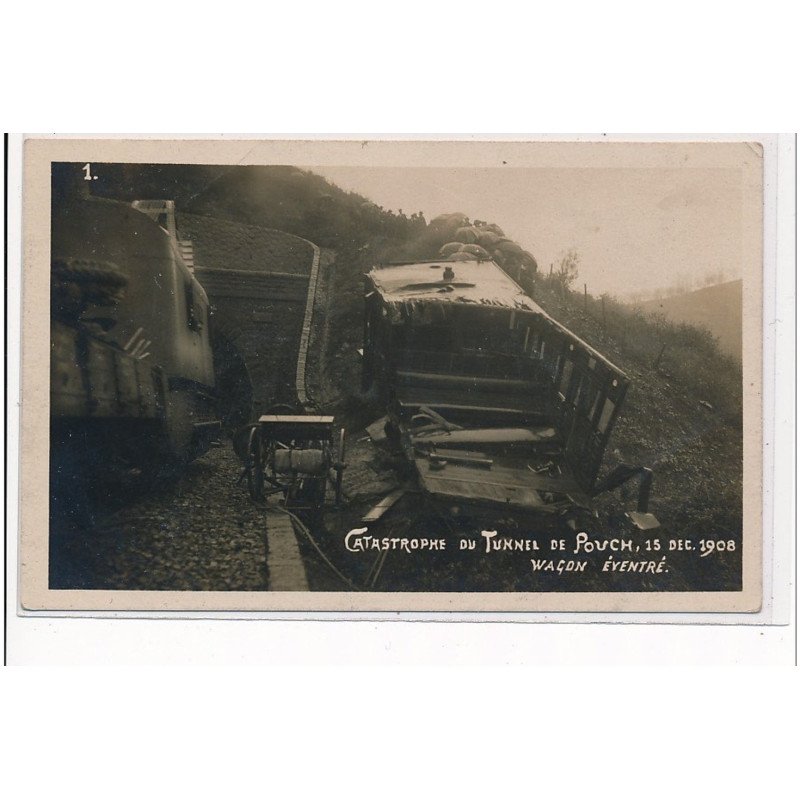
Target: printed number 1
(88, 176)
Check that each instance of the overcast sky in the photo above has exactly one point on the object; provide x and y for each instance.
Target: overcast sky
(635, 229)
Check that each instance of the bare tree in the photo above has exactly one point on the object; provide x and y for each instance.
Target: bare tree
(567, 271)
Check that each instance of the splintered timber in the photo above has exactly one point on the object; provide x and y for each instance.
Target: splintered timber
(497, 407)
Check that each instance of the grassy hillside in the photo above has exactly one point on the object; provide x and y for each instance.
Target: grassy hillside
(716, 308)
(683, 412)
(279, 197)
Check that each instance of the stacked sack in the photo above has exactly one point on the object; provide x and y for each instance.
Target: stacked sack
(481, 241)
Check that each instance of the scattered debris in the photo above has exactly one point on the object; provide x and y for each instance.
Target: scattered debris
(377, 430)
(642, 520)
(379, 509)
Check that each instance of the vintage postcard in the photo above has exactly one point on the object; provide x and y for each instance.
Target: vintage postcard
(310, 375)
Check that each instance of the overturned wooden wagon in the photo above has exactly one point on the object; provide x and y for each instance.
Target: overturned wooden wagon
(499, 407)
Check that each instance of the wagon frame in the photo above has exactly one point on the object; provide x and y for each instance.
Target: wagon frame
(497, 405)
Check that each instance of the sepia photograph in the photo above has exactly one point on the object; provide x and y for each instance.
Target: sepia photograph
(393, 376)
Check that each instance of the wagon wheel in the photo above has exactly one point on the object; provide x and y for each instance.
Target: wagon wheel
(255, 465)
(339, 466)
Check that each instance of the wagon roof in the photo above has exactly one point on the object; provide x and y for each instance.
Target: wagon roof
(481, 282)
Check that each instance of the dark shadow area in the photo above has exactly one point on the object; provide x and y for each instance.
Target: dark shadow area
(234, 387)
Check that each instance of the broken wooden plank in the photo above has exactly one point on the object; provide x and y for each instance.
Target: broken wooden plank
(377, 430)
(379, 509)
(457, 457)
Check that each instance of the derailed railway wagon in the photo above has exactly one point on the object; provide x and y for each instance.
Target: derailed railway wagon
(501, 410)
(132, 376)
